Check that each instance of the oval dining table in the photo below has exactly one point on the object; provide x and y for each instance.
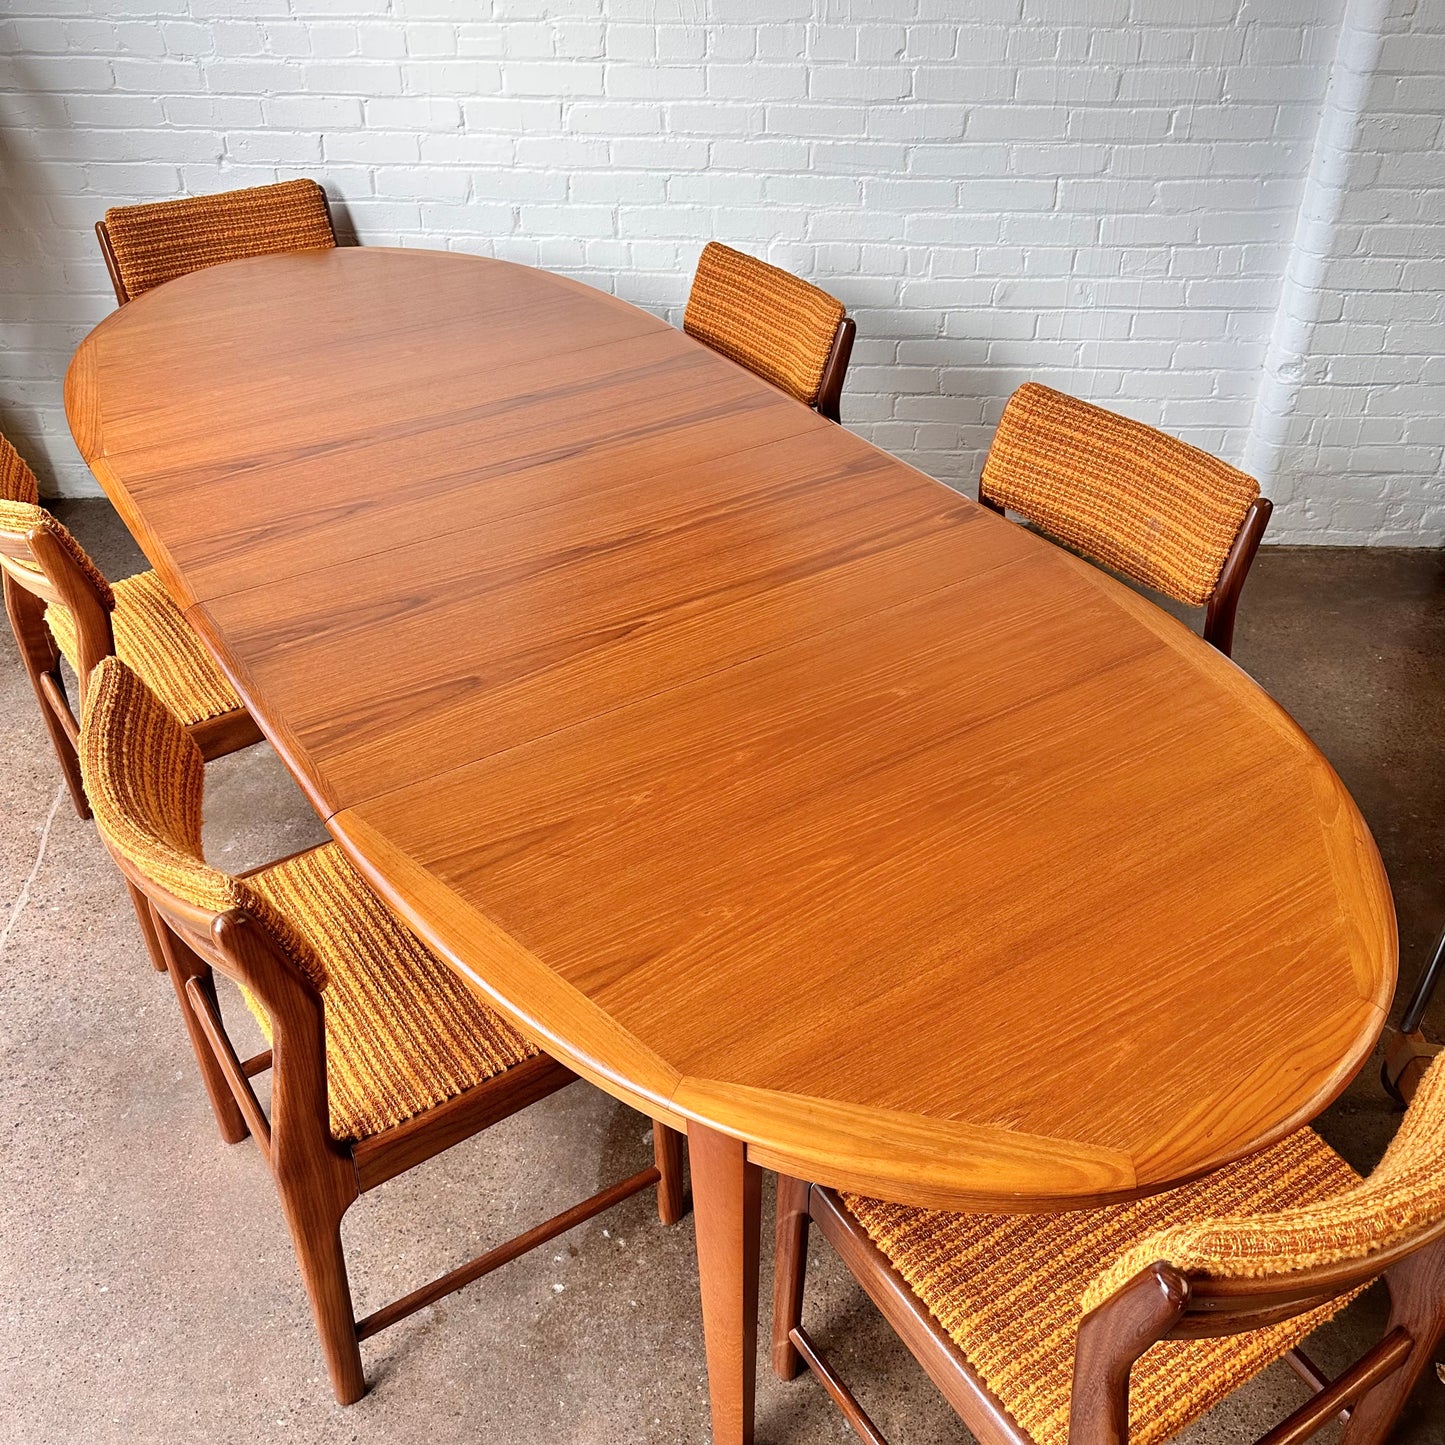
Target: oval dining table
(776, 788)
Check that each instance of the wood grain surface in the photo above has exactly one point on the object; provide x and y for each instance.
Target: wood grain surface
(770, 784)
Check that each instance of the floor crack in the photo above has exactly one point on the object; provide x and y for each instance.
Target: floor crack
(24, 895)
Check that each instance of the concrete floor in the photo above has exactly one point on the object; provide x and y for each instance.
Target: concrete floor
(147, 1287)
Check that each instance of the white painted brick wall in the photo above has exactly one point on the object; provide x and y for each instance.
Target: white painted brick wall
(1351, 413)
(1096, 193)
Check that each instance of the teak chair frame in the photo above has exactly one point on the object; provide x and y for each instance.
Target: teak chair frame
(112, 264)
(317, 1176)
(1223, 603)
(1159, 1303)
(60, 580)
(835, 371)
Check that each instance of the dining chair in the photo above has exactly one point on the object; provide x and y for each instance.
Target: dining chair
(60, 604)
(1128, 1323)
(782, 329)
(380, 1056)
(149, 244)
(1407, 1051)
(1156, 509)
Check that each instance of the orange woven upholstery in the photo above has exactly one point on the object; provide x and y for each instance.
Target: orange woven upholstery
(402, 1032)
(158, 242)
(154, 639)
(1149, 506)
(19, 519)
(1403, 1197)
(1011, 1289)
(151, 634)
(17, 481)
(145, 778)
(763, 318)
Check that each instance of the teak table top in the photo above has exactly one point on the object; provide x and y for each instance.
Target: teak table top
(767, 782)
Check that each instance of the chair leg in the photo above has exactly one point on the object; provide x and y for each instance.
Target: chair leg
(149, 933)
(182, 964)
(790, 1269)
(42, 663)
(1417, 1303)
(667, 1152)
(316, 1234)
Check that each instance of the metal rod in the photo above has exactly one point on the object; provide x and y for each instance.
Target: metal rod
(1420, 999)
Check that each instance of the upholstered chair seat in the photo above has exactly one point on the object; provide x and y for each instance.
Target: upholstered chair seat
(153, 637)
(1010, 1289)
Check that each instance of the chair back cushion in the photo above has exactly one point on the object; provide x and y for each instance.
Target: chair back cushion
(160, 241)
(144, 777)
(21, 514)
(17, 481)
(1402, 1199)
(777, 326)
(1149, 506)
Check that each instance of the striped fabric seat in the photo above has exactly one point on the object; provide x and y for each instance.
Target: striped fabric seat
(151, 634)
(1139, 501)
(403, 1033)
(153, 637)
(155, 243)
(1010, 1290)
(777, 326)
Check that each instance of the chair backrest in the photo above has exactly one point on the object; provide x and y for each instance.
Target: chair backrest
(149, 244)
(1247, 1270)
(786, 331)
(17, 481)
(145, 778)
(39, 556)
(1293, 1267)
(1152, 507)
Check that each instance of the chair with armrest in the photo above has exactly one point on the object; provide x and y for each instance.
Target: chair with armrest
(59, 604)
(780, 328)
(1124, 1325)
(1159, 511)
(147, 245)
(380, 1057)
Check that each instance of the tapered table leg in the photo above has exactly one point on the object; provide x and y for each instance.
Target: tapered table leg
(727, 1214)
